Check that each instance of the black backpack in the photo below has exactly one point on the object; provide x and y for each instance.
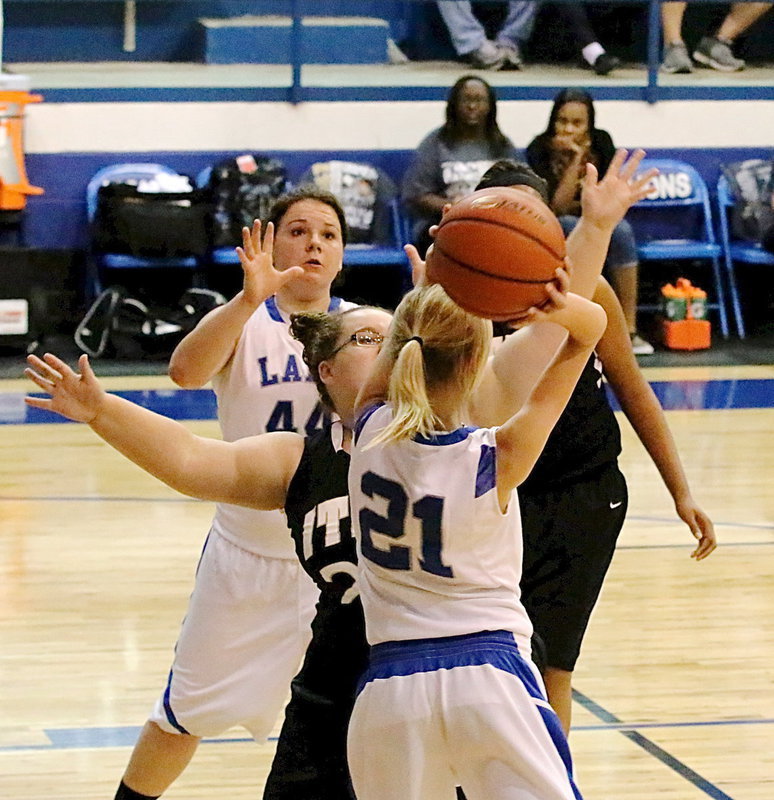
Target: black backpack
(120, 326)
(243, 189)
(150, 224)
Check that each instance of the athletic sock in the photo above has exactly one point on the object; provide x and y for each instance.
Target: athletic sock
(125, 793)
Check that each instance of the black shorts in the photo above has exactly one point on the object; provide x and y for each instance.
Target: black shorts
(570, 533)
(311, 758)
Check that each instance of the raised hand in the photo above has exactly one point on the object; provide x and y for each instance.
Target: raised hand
(77, 396)
(261, 280)
(605, 202)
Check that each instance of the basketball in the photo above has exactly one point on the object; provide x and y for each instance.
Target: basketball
(495, 250)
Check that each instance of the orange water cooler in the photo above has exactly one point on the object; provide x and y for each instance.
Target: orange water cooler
(14, 186)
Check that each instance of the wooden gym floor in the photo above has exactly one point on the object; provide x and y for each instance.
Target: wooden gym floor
(675, 686)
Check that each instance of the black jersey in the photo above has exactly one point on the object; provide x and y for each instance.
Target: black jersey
(585, 438)
(317, 508)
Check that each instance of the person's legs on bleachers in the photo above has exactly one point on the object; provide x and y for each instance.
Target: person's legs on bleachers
(516, 30)
(716, 51)
(468, 35)
(593, 53)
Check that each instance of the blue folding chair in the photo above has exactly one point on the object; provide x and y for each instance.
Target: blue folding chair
(98, 263)
(675, 222)
(735, 249)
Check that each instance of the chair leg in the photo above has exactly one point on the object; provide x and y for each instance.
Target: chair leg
(92, 281)
(737, 306)
(720, 291)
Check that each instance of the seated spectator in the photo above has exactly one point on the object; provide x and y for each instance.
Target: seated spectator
(450, 160)
(469, 36)
(712, 51)
(560, 155)
(470, 41)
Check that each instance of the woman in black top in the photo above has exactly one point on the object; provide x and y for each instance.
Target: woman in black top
(560, 155)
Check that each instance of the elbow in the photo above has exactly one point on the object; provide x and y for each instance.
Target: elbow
(180, 374)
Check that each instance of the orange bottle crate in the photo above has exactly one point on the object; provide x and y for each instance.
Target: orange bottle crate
(686, 334)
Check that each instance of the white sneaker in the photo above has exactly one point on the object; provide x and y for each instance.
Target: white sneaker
(511, 54)
(640, 347)
(488, 56)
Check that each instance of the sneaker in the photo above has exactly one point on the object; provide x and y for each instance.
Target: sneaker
(511, 55)
(713, 53)
(605, 64)
(488, 56)
(676, 59)
(640, 347)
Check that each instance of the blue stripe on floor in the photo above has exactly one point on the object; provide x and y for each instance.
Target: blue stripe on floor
(179, 404)
(190, 404)
(630, 732)
(719, 394)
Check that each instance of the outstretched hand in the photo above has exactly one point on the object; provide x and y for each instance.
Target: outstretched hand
(605, 202)
(701, 527)
(261, 279)
(77, 396)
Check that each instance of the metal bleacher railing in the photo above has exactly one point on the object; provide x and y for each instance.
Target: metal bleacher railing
(651, 91)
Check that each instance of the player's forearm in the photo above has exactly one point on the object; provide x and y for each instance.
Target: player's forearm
(207, 349)
(157, 444)
(646, 416)
(587, 247)
(584, 320)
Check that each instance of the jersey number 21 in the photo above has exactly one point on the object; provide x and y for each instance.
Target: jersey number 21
(428, 511)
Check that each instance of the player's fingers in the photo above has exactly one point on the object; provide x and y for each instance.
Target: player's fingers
(247, 242)
(413, 255)
(39, 380)
(617, 162)
(57, 367)
(632, 165)
(85, 368)
(38, 402)
(591, 177)
(562, 280)
(641, 185)
(268, 239)
(255, 235)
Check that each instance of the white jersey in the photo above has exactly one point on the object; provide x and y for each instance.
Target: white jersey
(265, 387)
(437, 556)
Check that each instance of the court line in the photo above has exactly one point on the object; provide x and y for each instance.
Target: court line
(666, 758)
(126, 735)
(766, 526)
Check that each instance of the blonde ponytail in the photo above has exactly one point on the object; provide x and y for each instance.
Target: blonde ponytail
(435, 344)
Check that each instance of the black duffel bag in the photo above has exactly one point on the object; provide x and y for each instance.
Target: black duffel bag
(151, 224)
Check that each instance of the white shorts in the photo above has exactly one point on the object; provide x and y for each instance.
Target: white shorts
(458, 711)
(242, 640)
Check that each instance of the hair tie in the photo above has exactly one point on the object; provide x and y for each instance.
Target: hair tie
(416, 339)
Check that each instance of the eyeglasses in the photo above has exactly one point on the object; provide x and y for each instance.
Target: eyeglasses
(364, 338)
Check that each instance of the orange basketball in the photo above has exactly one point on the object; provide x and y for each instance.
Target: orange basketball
(494, 252)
